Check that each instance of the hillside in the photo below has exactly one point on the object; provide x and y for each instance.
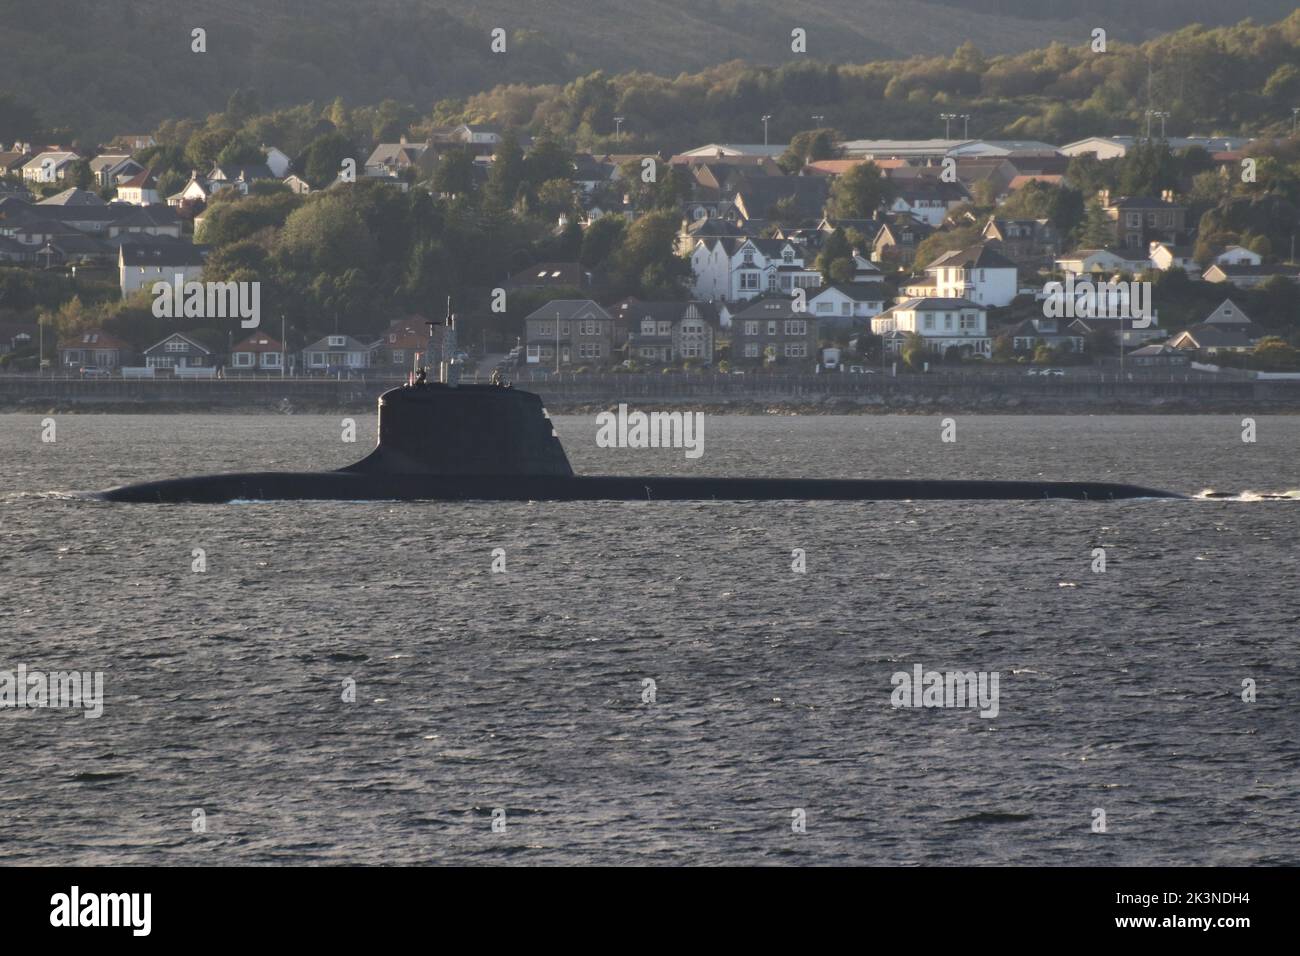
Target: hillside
(103, 68)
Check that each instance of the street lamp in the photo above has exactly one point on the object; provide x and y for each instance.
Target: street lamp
(618, 127)
(1295, 111)
(766, 117)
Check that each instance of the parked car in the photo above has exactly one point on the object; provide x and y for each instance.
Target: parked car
(1032, 371)
(1058, 372)
(861, 370)
(94, 371)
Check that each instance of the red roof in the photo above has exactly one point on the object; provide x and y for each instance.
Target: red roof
(257, 342)
(94, 339)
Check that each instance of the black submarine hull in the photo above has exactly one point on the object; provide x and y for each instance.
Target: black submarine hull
(354, 486)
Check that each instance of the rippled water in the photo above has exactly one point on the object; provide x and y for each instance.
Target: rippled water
(523, 690)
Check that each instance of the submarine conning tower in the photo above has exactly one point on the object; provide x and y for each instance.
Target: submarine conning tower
(439, 429)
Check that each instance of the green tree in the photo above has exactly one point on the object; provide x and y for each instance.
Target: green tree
(860, 192)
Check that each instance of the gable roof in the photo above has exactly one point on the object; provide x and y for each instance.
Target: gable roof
(95, 339)
(569, 309)
(206, 350)
(73, 197)
(981, 256)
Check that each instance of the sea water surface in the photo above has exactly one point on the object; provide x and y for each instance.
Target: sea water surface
(523, 696)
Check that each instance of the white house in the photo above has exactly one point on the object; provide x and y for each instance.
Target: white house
(141, 264)
(49, 167)
(731, 269)
(140, 190)
(1089, 262)
(336, 353)
(1166, 256)
(979, 273)
(108, 168)
(929, 199)
(843, 305)
(1238, 256)
(943, 323)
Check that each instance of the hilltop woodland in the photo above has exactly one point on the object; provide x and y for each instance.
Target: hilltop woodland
(352, 256)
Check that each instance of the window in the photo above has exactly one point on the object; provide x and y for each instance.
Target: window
(176, 347)
(771, 282)
(825, 307)
(589, 350)
(788, 256)
(665, 328)
(970, 321)
(647, 326)
(751, 328)
(691, 351)
(316, 358)
(243, 359)
(796, 350)
(749, 281)
(589, 328)
(337, 341)
(399, 356)
(564, 329)
(546, 330)
(796, 327)
(927, 321)
(270, 359)
(947, 321)
(771, 328)
(751, 350)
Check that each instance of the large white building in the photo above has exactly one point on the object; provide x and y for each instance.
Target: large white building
(737, 269)
(979, 273)
(942, 323)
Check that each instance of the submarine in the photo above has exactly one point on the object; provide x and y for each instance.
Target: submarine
(448, 441)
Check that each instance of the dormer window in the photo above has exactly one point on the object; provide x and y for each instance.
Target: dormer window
(337, 341)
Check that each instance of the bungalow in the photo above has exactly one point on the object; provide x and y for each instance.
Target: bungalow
(142, 263)
(838, 306)
(1210, 339)
(1089, 263)
(943, 323)
(1238, 256)
(579, 329)
(1031, 333)
(49, 166)
(551, 276)
(93, 347)
(179, 351)
(1250, 277)
(336, 353)
(769, 330)
(257, 353)
(1120, 329)
(1165, 256)
(1159, 356)
(109, 168)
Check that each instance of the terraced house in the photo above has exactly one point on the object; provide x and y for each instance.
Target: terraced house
(569, 332)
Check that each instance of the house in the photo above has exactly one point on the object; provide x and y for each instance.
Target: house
(847, 305)
(109, 168)
(277, 161)
(49, 167)
(179, 351)
(665, 331)
(194, 193)
(776, 197)
(1089, 263)
(1029, 243)
(1211, 339)
(297, 185)
(1166, 255)
(335, 354)
(1160, 356)
(734, 269)
(1238, 256)
(142, 263)
(239, 177)
(71, 247)
(1031, 333)
(403, 341)
(567, 332)
(896, 241)
(551, 276)
(1229, 314)
(481, 138)
(929, 199)
(943, 323)
(392, 160)
(1250, 277)
(979, 273)
(1120, 329)
(140, 221)
(257, 353)
(768, 329)
(139, 190)
(93, 347)
(1135, 220)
